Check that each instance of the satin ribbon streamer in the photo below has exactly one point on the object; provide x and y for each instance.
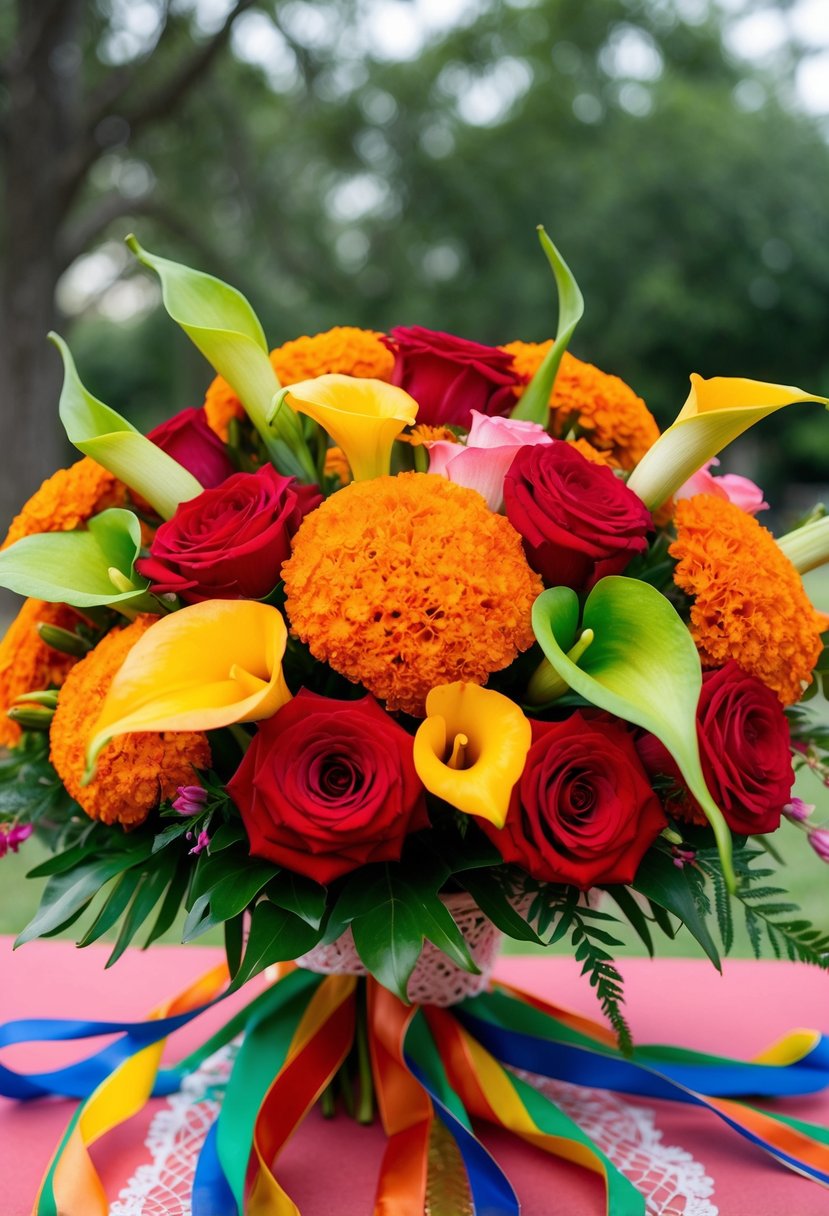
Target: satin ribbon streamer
(433, 1071)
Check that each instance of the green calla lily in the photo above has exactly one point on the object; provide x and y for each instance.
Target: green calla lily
(84, 568)
(101, 432)
(642, 665)
(534, 405)
(807, 547)
(222, 325)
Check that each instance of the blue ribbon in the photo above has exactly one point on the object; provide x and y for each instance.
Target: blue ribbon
(490, 1190)
(581, 1066)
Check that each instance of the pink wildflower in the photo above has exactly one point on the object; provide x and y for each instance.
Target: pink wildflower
(190, 799)
(819, 840)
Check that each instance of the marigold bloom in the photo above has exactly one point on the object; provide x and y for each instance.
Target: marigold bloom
(749, 602)
(337, 466)
(590, 453)
(403, 583)
(67, 499)
(26, 663)
(615, 419)
(345, 350)
(422, 434)
(134, 772)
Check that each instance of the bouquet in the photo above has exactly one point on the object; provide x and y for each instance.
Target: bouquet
(400, 643)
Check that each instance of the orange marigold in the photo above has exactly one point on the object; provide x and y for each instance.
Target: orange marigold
(67, 499)
(337, 466)
(26, 663)
(345, 350)
(615, 419)
(749, 601)
(590, 453)
(423, 433)
(134, 772)
(403, 583)
(221, 406)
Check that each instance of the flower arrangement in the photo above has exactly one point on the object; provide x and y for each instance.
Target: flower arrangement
(396, 619)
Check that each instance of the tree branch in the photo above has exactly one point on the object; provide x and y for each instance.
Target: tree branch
(170, 92)
(118, 81)
(79, 158)
(80, 234)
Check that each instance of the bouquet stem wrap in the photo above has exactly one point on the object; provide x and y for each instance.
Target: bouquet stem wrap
(434, 1071)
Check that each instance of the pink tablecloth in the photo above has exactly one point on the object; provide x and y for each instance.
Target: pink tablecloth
(330, 1167)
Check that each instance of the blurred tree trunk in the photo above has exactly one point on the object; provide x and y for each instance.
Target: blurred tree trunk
(54, 129)
(35, 140)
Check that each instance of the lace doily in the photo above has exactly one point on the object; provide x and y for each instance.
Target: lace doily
(435, 980)
(673, 1183)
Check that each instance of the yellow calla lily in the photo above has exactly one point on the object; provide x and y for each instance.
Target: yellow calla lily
(363, 417)
(209, 665)
(717, 411)
(471, 748)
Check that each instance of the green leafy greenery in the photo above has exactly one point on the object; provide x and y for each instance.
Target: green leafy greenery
(29, 786)
(136, 883)
(771, 918)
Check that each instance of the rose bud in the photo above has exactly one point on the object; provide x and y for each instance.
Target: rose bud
(189, 440)
(449, 376)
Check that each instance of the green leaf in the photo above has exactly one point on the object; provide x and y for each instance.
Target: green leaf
(225, 836)
(151, 886)
(171, 903)
(275, 936)
(61, 862)
(392, 913)
(294, 893)
(114, 906)
(236, 891)
(491, 898)
(534, 405)
(234, 943)
(389, 937)
(100, 432)
(634, 914)
(660, 881)
(222, 325)
(74, 567)
(642, 665)
(170, 834)
(67, 893)
(222, 888)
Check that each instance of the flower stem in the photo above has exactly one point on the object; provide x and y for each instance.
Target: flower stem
(365, 1108)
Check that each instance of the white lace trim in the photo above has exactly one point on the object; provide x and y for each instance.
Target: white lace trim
(673, 1183)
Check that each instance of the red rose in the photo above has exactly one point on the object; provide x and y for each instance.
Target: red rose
(583, 811)
(189, 440)
(229, 542)
(745, 750)
(579, 522)
(327, 786)
(449, 376)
